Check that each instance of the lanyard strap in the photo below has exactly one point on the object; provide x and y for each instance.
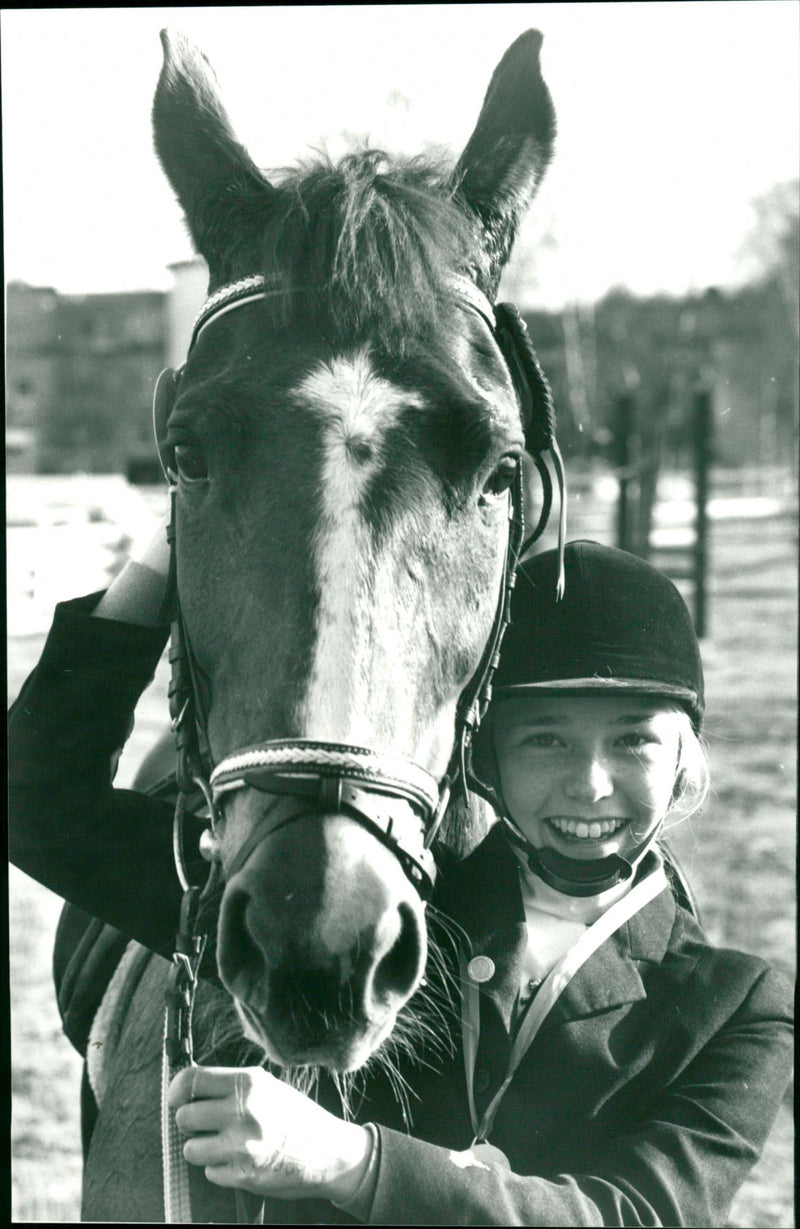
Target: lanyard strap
(554, 984)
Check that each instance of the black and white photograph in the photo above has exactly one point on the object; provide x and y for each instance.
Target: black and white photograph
(401, 532)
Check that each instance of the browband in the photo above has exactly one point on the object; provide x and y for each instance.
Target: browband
(237, 294)
(251, 289)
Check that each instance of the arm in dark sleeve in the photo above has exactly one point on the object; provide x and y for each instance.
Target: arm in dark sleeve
(108, 851)
(681, 1166)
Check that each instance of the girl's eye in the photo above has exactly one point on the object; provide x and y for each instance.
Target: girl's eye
(542, 741)
(190, 462)
(636, 740)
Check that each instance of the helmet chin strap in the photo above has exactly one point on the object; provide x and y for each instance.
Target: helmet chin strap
(580, 876)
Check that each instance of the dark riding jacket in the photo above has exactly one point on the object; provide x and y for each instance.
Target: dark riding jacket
(644, 1099)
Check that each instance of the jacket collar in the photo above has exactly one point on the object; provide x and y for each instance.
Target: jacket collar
(482, 894)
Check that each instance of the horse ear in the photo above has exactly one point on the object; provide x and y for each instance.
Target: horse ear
(220, 188)
(507, 155)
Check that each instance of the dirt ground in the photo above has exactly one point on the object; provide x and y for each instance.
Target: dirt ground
(740, 856)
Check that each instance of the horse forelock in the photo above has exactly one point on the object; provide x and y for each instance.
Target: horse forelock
(366, 245)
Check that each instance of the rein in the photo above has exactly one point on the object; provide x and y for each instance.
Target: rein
(395, 799)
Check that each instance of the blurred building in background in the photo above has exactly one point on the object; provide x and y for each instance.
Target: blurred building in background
(189, 286)
(31, 376)
(80, 371)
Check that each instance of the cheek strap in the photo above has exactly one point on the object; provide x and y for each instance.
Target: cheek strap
(164, 395)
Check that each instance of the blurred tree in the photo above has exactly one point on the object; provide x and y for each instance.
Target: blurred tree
(771, 251)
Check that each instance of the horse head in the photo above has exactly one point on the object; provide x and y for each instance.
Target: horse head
(341, 443)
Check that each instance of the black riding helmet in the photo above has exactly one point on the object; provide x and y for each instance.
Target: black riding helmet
(621, 628)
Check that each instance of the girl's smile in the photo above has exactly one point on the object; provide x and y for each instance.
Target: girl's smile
(588, 776)
(581, 830)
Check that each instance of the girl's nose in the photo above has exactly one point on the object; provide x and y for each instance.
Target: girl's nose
(589, 780)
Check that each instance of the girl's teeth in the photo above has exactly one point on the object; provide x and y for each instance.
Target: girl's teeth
(593, 831)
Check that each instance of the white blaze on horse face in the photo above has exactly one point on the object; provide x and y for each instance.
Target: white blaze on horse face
(357, 407)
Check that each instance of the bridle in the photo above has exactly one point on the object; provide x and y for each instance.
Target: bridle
(397, 800)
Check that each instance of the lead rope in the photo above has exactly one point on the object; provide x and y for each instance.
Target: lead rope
(178, 1042)
(177, 1053)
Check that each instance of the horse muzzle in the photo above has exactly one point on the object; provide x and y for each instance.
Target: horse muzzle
(321, 935)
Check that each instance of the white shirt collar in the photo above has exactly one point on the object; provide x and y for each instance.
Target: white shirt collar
(538, 895)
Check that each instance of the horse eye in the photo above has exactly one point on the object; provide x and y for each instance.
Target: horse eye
(501, 477)
(190, 462)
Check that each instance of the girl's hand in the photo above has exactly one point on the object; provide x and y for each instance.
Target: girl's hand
(137, 594)
(250, 1130)
(156, 554)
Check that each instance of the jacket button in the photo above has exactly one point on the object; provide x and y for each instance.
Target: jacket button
(482, 1079)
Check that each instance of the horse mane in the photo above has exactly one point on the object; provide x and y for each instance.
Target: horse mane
(366, 244)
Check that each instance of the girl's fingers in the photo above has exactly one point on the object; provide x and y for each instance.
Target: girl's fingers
(208, 1150)
(210, 1115)
(224, 1175)
(199, 1083)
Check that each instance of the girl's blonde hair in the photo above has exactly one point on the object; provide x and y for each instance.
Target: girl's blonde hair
(693, 777)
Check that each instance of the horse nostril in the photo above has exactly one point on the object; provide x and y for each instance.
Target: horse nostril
(399, 969)
(239, 957)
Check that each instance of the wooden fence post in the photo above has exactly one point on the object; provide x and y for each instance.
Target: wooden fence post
(702, 446)
(623, 440)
